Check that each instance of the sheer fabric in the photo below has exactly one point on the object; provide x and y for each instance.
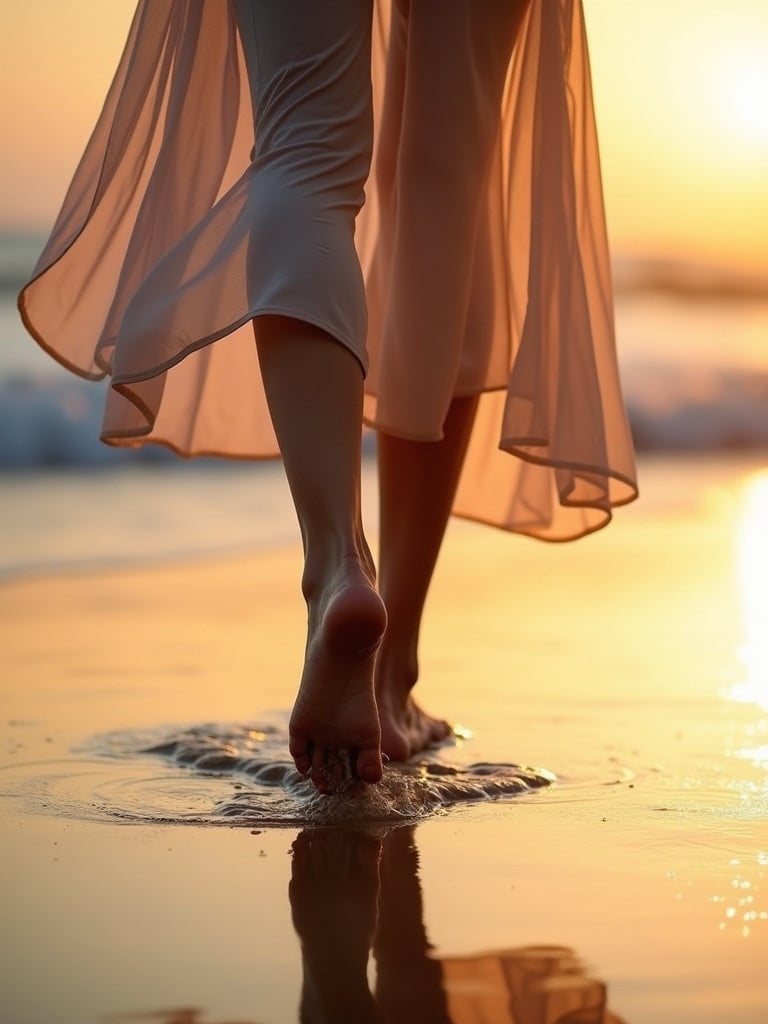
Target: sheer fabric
(155, 255)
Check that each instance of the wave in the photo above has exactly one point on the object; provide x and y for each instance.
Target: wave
(53, 419)
(47, 423)
(51, 423)
(683, 409)
(55, 423)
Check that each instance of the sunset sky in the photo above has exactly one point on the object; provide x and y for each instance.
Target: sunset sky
(681, 89)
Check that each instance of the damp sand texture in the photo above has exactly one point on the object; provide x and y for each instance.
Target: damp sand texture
(633, 887)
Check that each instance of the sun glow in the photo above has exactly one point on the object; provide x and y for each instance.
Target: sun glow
(745, 97)
(684, 125)
(753, 578)
(682, 102)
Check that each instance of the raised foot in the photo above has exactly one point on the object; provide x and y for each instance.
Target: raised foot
(406, 729)
(334, 728)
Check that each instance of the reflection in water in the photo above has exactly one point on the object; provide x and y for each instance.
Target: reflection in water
(753, 687)
(753, 578)
(354, 893)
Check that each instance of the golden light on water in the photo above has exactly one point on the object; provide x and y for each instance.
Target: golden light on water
(740, 907)
(753, 580)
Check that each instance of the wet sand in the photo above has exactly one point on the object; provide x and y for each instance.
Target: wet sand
(635, 885)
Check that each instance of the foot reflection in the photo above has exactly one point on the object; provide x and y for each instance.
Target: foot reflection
(353, 893)
(334, 892)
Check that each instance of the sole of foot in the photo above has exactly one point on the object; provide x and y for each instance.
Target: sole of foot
(334, 728)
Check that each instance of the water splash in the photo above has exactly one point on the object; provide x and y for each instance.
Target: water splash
(242, 775)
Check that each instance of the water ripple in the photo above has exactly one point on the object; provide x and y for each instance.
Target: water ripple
(216, 774)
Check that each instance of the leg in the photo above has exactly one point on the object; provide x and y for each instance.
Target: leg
(418, 480)
(448, 66)
(309, 73)
(314, 387)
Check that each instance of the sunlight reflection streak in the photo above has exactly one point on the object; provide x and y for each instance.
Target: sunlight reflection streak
(753, 579)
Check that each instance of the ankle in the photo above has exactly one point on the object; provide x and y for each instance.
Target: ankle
(322, 573)
(396, 673)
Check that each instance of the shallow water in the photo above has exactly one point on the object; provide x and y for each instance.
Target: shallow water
(629, 671)
(632, 888)
(214, 774)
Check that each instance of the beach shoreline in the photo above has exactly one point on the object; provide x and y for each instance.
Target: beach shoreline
(640, 878)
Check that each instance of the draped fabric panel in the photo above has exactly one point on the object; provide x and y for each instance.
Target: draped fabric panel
(148, 275)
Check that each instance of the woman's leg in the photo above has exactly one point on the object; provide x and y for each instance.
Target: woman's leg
(439, 138)
(315, 387)
(417, 482)
(309, 72)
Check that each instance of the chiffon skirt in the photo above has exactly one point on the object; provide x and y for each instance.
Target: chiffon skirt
(418, 178)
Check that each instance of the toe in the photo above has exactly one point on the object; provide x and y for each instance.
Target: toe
(301, 752)
(369, 767)
(319, 773)
(334, 771)
(439, 730)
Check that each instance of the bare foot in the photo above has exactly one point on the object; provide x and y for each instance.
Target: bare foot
(405, 728)
(335, 721)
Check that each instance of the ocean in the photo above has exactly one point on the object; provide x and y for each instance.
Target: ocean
(692, 341)
(693, 347)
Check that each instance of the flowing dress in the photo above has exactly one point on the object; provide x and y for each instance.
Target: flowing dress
(480, 265)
